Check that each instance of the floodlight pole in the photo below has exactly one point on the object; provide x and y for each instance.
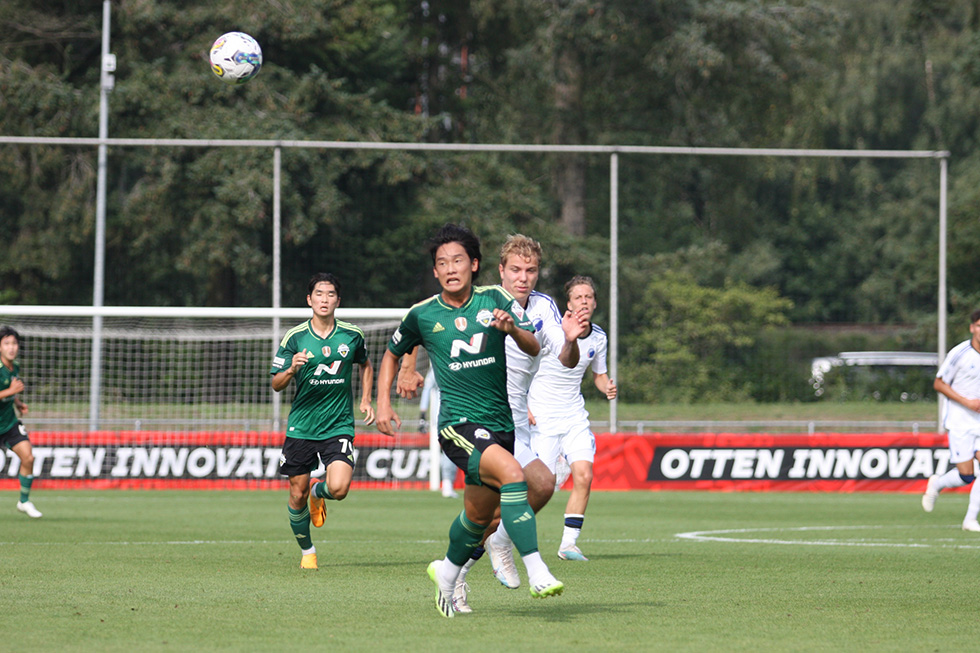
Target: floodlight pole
(276, 272)
(613, 349)
(106, 83)
(942, 308)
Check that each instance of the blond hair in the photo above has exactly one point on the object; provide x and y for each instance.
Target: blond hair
(520, 245)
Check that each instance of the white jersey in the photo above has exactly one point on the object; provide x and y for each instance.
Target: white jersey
(556, 390)
(961, 370)
(543, 313)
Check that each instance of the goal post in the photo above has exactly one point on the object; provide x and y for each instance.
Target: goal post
(185, 396)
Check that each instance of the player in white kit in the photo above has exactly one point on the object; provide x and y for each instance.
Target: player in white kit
(958, 380)
(560, 422)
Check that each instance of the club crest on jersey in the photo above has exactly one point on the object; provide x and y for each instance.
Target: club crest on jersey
(326, 350)
(481, 434)
(517, 309)
(591, 352)
(538, 323)
(484, 317)
(460, 323)
(343, 350)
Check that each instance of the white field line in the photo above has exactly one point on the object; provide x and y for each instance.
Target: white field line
(729, 536)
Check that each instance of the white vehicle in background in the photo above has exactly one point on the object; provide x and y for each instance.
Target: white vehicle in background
(877, 364)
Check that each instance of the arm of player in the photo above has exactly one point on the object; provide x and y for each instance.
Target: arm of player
(525, 340)
(386, 375)
(367, 385)
(605, 385)
(944, 388)
(574, 325)
(409, 380)
(16, 387)
(282, 379)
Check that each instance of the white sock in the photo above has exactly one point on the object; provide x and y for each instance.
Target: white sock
(950, 479)
(974, 509)
(446, 575)
(537, 570)
(501, 538)
(310, 550)
(465, 569)
(570, 535)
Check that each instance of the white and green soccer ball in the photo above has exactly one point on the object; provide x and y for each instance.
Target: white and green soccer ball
(236, 57)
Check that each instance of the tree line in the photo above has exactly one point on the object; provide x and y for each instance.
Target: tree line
(717, 252)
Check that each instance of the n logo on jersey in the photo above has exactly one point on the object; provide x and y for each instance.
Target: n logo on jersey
(475, 346)
(329, 369)
(460, 323)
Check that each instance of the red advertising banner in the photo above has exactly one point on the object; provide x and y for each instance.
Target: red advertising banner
(822, 462)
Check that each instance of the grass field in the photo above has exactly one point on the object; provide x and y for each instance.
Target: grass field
(181, 571)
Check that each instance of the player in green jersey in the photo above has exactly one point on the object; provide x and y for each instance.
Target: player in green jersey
(464, 329)
(320, 353)
(13, 435)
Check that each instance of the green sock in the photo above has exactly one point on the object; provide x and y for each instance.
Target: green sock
(25, 487)
(464, 536)
(320, 490)
(518, 517)
(299, 520)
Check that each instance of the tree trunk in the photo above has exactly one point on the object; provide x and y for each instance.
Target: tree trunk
(570, 168)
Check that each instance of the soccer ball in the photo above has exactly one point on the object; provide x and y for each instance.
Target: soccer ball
(236, 57)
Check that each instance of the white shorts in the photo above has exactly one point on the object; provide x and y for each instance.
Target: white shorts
(523, 453)
(963, 445)
(522, 439)
(571, 438)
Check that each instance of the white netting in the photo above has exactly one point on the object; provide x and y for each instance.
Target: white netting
(182, 400)
(175, 373)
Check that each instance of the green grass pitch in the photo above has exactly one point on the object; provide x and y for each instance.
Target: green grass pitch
(671, 571)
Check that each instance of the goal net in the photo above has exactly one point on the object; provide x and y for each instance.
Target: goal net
(182, 401)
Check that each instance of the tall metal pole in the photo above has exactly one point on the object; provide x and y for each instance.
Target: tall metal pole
(276, 272)
(943, 168)
(613, 353)
(107, 81)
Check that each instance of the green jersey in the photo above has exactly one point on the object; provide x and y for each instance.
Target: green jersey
(8, 416)
(467, 354)
(323, 406)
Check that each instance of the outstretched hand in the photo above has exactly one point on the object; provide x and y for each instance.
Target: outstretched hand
(575, 325)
